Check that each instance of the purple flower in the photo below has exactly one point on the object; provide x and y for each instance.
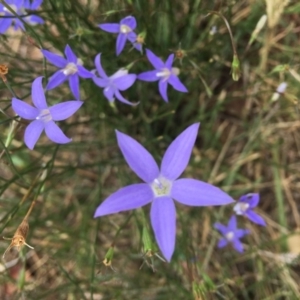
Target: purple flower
(245, 207)
(43, 117)
(125, 30)
(162, 186)
(231, 234)
(164, 73)
(120, 81)
(19, 7)
(70, 68)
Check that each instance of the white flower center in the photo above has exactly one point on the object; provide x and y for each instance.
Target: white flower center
(164, 73)
(125, 29)
(44, 115)
(241, 207)
(70, 69)
(229, 236)
(175, 71)
(161, 187)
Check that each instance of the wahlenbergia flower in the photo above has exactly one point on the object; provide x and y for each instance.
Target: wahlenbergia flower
(44, 117)
(231, 234)
(125, 30)
(164, 72)
(245, 207)
(162, 186)
(120, 81)
(19, 7)
(70, 68)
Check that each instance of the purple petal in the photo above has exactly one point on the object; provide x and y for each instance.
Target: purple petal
(137, 157)
(109, 93)
(101, 82)
(194, 192)
(5, 24)
(125, 82)
(110, 27)
(35, 4)
(148, 76)
(83, 72)
(251, 199)
(178, 153)
(177, 84)
(163, 220)
(55, 134)
(238, 246)
(55, 59)
(138, 47)
(71, 57)
(99, 68)
(162, 86)
(129, 21)
(239, 233)
(121, 40)
(56, 79)
(24, 110)
(33, 20)
(74, 85)
(222, 228)
(169, 61)
(131, 36)
(156, 62)
(127, 198)
(37, 94)
(222, 243)
(255, 218)
(232, 224)
(32, 133)
(122, 99)
(64, 110)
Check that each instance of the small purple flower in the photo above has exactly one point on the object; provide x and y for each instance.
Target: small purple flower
(43, 117)
(19, 7)
(125, 30)
(231, 234)
(120, 81)
(162, 186)
(245, 207)
(70, 68)
(164, 73)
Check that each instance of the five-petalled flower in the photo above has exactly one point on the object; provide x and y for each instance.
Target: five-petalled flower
(70, 68)
(44, 117)
(231, 234)
(112, 85)
(18, 6)
(125, 30)
(245, 207)
(161, 186)
(164, 72)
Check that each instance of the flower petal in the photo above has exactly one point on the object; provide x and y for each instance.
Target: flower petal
(56, 79)
(121, 40)
(138, 47)
(148, 76)
(24, 110)
(55, 134)
(156, 62)
(110, 27)
(162, 86)
(169, 61)
(130, 21)
(74, 85)
(83, 72)
(32, 133)
(125, 82)
(55, 59)
(177, 84)
(194, 192)
(5, 23)
(37, 94)
(98, 65)
(127, 198)
(232, 224)
(239, 233)
(137, 157)
(255, 218)
(71, 57)
(178, 153)
(163, 220)
(238, 246)
(35, 4)
(34, 19)
(222, 243)
(222, 228)
(109, 93)
(64, 110)
(251, 199)
(131, 36)
(101, 82)
(122, 99)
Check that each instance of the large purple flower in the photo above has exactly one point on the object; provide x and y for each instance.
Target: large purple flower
(70, 68)
(164, 73)
(245, 207)
(112, 85)
(44, 117)
(231, 234)
(162, 186)
(125, 30)
(19, 7)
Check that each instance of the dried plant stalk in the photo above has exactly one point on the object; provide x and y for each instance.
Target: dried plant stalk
(3, 72)
(275, 10)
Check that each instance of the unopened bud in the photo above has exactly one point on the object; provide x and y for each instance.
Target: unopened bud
(235, 68)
